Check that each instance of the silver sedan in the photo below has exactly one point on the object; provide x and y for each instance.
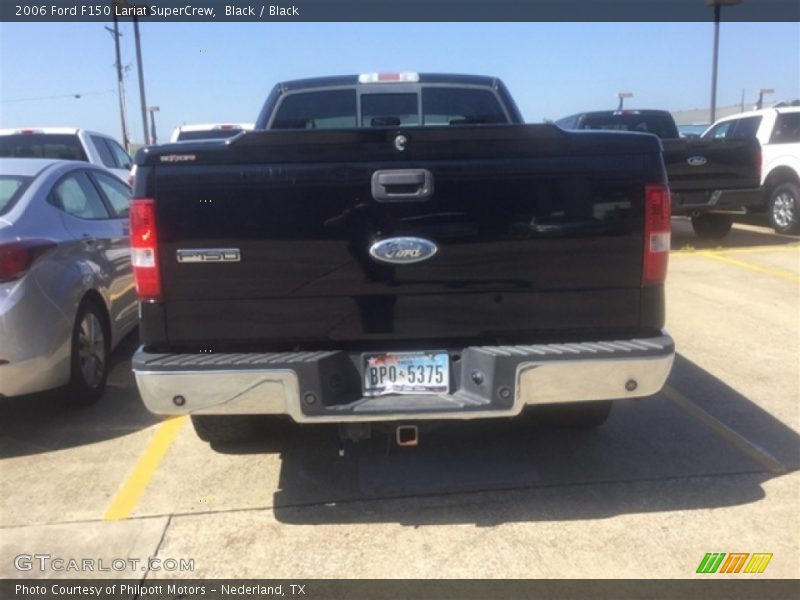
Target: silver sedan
(67, 294)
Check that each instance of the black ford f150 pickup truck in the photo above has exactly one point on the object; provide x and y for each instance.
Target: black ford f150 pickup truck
(710, 180)
(395, 249)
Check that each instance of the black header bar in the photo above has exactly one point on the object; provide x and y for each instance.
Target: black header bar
(396, 10)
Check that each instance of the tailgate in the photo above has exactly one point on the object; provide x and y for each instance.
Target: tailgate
(537, 231)
(709, 164)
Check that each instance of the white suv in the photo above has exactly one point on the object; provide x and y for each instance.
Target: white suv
(778, 130)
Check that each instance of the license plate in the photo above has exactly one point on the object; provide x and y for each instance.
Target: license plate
(406, 373)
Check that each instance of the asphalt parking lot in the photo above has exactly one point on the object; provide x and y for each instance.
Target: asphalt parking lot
(709, 465)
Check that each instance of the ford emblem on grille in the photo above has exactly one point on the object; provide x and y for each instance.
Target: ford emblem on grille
(403, 250)
(697, 161)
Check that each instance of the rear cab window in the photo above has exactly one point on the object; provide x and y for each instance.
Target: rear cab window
(460, 106)
(323, 109)
(42, 145)
(426, 105)
(661, 125)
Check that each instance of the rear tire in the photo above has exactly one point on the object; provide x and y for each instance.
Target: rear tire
(784, 208)
(712, 226)
(89, 357)
(225, 429)
(581, 415)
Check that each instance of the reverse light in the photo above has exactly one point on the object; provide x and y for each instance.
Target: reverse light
(16, 258)
(388, 78)
(144, 249)
(657, 227)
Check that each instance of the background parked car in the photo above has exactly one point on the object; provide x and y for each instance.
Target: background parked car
(208, 131)
(67, 294)
(66, 144)
(692, 130)
(778, 130)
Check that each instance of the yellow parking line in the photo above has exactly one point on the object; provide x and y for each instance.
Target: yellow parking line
(131, 491)
(760, 249)
(753, 267)
(741, 443)
(751, 250)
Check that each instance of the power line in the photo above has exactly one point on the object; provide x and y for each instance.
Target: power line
(76, 96)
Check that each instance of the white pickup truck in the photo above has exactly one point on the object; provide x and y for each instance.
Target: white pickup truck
(208, 131)
(66, 143)
(778, 130)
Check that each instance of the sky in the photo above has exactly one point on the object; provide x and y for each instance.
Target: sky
(222, 72)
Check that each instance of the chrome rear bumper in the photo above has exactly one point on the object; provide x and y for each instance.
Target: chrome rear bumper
(313, 387)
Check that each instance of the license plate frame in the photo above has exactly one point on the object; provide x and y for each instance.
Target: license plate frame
(417, 372)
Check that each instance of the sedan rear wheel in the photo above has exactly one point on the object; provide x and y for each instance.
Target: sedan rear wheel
(90, 350)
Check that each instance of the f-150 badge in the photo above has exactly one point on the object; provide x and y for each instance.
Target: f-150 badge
(195, 255)
(403, 250)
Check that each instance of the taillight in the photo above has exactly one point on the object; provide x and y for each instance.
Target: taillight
(657, 226)
(144, 249)
(17, 257)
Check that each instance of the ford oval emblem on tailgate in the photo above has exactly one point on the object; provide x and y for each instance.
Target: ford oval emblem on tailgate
(696, 161)
(403, 250)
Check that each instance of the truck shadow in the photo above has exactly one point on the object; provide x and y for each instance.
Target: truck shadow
(45, 422)
(754, 233)
(652, 455)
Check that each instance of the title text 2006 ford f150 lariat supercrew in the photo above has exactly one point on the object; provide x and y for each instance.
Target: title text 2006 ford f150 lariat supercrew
(399, 248)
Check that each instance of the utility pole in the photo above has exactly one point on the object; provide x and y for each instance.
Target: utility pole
(717, 4)
(120, 83)
(141, 74)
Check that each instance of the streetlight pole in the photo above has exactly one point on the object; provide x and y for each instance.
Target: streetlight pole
(761, 92)
(717, 4)
(622, 96)
(153, 137)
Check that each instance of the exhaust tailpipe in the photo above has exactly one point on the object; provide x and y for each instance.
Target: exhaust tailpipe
(407, 435)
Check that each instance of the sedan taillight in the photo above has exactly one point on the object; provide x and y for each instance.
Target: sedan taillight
(16, 258)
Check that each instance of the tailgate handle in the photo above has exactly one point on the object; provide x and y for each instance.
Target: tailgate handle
(402, 185)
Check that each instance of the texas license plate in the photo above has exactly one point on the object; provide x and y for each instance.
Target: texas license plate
(406, 373)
